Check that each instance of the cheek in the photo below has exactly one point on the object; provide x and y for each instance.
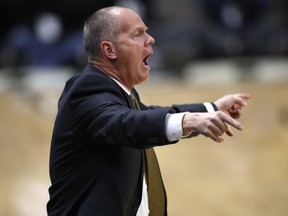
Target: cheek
(132, 57)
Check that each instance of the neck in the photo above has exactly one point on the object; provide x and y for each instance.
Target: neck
(110, 70)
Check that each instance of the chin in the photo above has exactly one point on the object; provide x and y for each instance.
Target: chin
(142, 80)
(146, 77)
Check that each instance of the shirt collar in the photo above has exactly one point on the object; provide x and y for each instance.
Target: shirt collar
(122, 86)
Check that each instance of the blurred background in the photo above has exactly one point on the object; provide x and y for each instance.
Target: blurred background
(204, 49)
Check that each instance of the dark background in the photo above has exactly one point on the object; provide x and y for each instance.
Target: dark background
(185, 30)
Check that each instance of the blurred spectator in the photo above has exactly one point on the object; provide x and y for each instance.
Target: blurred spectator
(188, 30)
(46, 32)
(44, 43)
(234, 27)
(49, 32)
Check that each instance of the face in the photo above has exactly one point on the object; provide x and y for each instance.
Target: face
(133, 48)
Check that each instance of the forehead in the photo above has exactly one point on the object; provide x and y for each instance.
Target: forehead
(130, 21)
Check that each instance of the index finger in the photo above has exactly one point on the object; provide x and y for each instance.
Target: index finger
(229, 120)
(240, 98)
(244, 96)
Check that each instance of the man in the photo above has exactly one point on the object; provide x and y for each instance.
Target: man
(102, 161)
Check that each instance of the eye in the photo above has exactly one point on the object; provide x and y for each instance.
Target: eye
(138, 33)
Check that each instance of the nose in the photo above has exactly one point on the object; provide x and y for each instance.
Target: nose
(150, 41)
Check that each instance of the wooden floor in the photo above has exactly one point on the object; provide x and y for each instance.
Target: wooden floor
(247, 175)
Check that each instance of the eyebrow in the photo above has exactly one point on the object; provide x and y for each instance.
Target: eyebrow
(144, 29)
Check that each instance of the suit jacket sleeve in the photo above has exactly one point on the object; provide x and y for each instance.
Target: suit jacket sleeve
(101, 113)
(195, 107)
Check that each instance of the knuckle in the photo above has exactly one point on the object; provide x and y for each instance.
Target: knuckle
(205, 131)
(218, 114)
(210, 125)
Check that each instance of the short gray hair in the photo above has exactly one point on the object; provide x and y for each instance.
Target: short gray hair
(100, 26)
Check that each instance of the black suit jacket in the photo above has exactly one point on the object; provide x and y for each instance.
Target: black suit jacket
(96, 161)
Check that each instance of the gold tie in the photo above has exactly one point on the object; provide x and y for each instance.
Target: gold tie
(156, 190)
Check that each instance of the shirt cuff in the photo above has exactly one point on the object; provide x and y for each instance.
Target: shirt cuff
(209, 107)
(173, 126)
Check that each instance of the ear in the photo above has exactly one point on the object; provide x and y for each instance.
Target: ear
(108, 49)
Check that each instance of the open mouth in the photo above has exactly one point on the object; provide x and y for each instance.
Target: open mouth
(145, 60)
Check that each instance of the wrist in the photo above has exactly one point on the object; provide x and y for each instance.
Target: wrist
(188, 123)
